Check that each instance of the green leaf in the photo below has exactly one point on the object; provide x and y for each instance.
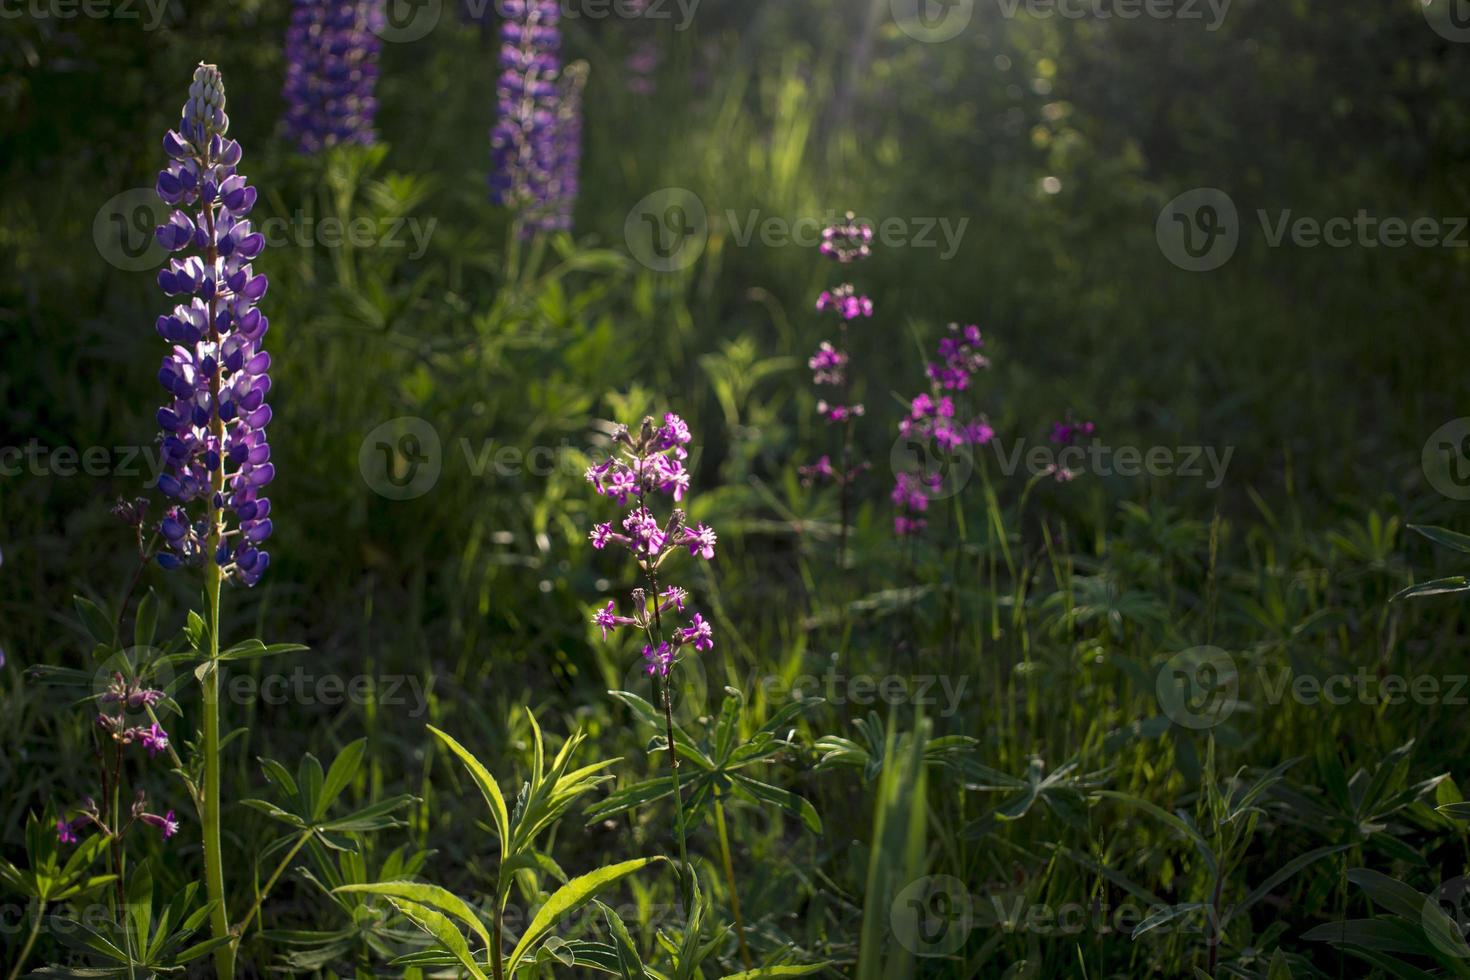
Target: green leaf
(1444, 536)
(629, 963)
(1460, 811)
(790, 802)
(488, 788)
(1393, 896)
(344, 768)
(254, 649)
(140, 903)
(426, 894)
(309, 778)
(275, 813)
(1164, 916)
(145, 624)
(375, 816)
(98, 624)
(566, 900)
(442, 929)
(1440, 586)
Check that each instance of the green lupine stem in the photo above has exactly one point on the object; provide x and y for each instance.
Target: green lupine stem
(745, 956)
(214, 868)
(271, 883)
(25, 950)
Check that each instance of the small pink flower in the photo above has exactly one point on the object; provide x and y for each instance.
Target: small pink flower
(154, 739)
(701, 542)
(166, 823)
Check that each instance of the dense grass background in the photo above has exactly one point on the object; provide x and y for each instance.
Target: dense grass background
(1059, 141)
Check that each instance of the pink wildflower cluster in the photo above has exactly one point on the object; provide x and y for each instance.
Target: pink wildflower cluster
(649, 464)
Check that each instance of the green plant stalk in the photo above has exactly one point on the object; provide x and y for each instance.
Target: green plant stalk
(745, 956)
(271, 883)
(674, 766)
(214, 868)
(25, 951)
(497, 925)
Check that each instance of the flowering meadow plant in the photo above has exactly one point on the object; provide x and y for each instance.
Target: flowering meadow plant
(646, 466)
(536, 142)
(938, 419)
(831, 368)
(332, 49)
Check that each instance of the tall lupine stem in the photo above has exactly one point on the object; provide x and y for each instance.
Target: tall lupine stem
(214, 428)
(650, 463)
(845, 243)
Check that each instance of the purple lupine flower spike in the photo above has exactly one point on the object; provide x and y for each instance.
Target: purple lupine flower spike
(537, 137)
(332, 49)
(216, 374)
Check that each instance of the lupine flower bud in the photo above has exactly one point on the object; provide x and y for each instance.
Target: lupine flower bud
(213, 437)
(204, 113)
(332, 49)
